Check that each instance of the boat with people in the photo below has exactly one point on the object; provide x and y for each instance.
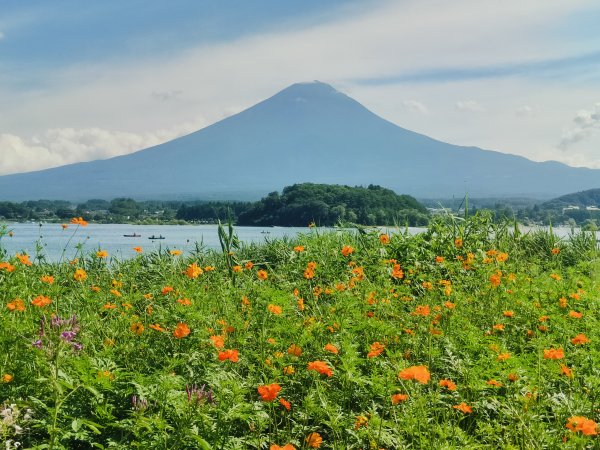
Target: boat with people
(156, 237)
(132, 235)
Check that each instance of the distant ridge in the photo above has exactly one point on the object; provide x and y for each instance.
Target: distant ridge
(308, 132)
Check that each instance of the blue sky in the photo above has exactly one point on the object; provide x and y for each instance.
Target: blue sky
(88, 80)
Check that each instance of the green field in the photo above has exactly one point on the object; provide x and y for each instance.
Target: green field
(471, 335)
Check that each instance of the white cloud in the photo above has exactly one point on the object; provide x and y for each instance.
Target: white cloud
(586, 123)
(60, 146)
(469, 106)
(415, 106)
(165, 96)
(524, 111)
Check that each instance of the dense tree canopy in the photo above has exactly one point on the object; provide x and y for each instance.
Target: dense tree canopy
(327, 205)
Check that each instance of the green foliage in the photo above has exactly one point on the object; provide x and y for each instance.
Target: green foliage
(327, 205)
(105, 364)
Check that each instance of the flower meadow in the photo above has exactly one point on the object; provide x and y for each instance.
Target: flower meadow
(470, 335)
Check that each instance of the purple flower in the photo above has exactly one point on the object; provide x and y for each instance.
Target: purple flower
(77, 346)
(68, 335)
(37, 344)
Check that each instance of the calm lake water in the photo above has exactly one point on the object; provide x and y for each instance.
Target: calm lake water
(57, 244)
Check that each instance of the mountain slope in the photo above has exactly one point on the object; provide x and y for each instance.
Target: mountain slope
(584, 199)
(309, 132)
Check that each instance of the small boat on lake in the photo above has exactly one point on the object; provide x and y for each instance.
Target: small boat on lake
(132, 235)
(156, 237)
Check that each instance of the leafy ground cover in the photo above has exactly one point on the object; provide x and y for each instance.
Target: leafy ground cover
(471, 335)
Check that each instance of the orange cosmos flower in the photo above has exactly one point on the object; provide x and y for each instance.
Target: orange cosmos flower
(421, 310)
(331, 349)
(503, 356)
(498, 327)
(502, 257)
(16, 305)
(384, 239)
(448, 384)
(314, 440)
(64, 226)
(513, 377)
(397, 272)
(285, 447)
(262, 274)
(361, 421)
(193, 271)
(464, 408)
(47, 279)
(269, 392)
(554, 353)
(295, 350)
(376, 349)
(555, 276)
(275, 309)
(508, 314)
(586, 426)
(347, 250)
(321, 367)
(109, 305)
(40, 301)
(580, 339)
(458, 242)
(300, 302)
(439, 259)
(175, 252)
(7, 266)
(555, 251)
(137, 249)
(7, 378)
(289, 370)
(249, 265)
(23, 259)
(137, 328)
(181, 330)
(575, 315)
(80, 274)
(79, 221)
(157, 327)
(495, 280)
(417, 373)
(299, 248)
(493, 383)
(184, 301)
(287, 405)
(101, 253)
(237, 268)
(218, 341)
(167, 289)
(231, 355)
(309, 273)
(116, 293)
(564, 370)
(397, 398)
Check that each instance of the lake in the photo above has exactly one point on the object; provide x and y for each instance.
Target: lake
(58, 244)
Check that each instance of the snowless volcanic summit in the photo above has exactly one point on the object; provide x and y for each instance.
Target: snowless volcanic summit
(308, 132)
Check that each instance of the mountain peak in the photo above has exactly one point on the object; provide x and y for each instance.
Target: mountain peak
(308, 132)
(309, 90)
